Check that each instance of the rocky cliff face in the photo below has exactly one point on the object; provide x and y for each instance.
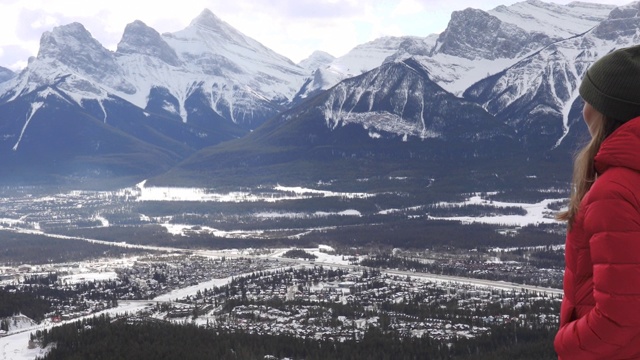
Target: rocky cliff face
(623, 22)
(474, 34)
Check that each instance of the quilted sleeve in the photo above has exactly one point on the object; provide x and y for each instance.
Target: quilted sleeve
(612, 218)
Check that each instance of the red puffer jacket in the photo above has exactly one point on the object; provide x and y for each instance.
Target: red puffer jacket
(600, 314)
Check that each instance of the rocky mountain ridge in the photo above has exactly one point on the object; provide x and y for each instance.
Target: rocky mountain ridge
(489, 81)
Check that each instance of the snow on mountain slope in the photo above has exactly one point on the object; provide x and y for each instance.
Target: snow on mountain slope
(74, 46)
(151, 63)
(141, 109)
(368, 56)
(400, 99)
(138, 38)
(359, 60)
(241, 80)
(457, 74)
(239, 76)
(316, 60)
(71, 65)
(485, 43)
(361, 104)
(215, 48)
(553, 20)
(538, 45)
(461, 57)
(544, 85)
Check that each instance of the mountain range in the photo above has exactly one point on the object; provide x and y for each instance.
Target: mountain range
(492, 101)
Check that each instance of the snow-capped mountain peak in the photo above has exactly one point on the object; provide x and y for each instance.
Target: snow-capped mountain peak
(515, 67)
(359, 60)
(538, 93)
(74, 46)
(138, 38)
(476, 34)
(73, 61)
(164, 95)
(207, 21)
(316, 60)
(554, 20)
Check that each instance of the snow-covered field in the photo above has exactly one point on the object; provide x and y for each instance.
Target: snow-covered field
(275, 194)
(538, 213)
(106, 208)
(89, 276)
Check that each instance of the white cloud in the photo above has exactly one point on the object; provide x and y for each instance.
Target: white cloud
(407, 7)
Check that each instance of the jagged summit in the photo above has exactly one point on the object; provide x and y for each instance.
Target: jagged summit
(359, 60)
(73, 45)
(71, 52)
(207, 19)
(208, 23)
(476, 34)
(138, 38)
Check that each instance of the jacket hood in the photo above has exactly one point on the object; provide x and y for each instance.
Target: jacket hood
(621, 148)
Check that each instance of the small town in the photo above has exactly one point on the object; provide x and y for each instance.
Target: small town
(267, 296)
(339, 304)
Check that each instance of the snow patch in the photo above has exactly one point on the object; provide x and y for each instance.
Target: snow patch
(537, 213)
(35, 106)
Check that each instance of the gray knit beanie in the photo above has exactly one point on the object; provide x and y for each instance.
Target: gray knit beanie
(612, 84)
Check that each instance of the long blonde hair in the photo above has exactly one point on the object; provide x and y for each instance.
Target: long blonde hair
(584, 172)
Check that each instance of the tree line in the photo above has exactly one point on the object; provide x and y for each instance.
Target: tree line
(104, 337)
(33, 307)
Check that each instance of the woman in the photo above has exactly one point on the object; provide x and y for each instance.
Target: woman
(600, 313)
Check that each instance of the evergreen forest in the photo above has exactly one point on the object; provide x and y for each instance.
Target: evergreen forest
(104, 337)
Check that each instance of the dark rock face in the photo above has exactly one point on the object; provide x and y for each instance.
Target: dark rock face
(622, 22)
(474, 34)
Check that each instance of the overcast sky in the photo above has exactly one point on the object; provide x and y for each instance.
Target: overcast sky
(293, 28)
